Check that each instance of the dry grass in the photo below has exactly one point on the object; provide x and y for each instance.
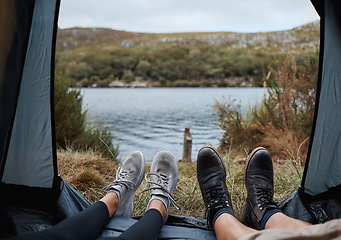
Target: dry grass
(86, 171)
(89, 173)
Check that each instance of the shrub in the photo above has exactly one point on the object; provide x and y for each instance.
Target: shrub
(78, 70)
(180, 83)
(71, 128)
(283, 121)
(238, 132)
(128, 76)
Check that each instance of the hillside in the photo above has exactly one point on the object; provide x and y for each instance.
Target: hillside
(301, 39)
(98, 56)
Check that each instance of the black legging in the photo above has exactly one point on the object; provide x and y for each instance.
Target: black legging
(89, 224)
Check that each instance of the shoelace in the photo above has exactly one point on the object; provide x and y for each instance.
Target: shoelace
(162, 181)
(120, 180)
(215, 196)
(264, 197)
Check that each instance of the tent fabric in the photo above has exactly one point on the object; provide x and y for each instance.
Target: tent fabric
(319, 7)
(319, 197)
(294, 207)
(25, 218)
(315, 210)
(16, 25)
(322, 170)
(70, 201)
(31, 139)
(28, 163)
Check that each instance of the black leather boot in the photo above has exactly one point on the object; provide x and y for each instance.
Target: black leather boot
(260, 188)
(211, 175)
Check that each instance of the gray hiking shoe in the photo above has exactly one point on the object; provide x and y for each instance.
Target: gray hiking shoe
(128, 178)
(163, 177)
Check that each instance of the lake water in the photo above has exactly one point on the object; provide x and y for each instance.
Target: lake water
(153, 119)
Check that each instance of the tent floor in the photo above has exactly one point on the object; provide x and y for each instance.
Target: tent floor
(17, 221)
(177, 227)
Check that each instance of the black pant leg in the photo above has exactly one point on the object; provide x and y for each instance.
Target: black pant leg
(148, 227)
(86, 225)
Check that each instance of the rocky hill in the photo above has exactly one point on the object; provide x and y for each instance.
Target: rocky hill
(299, 40)
(110, 58)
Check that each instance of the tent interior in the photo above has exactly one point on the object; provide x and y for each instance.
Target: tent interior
(34, 197)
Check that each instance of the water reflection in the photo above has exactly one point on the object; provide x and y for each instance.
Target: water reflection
(153, 119)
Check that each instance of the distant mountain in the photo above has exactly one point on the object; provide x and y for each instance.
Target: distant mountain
(301, 39)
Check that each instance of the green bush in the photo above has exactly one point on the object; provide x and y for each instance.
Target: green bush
(71, 128)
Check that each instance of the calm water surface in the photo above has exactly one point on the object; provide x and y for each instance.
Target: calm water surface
(153, 119)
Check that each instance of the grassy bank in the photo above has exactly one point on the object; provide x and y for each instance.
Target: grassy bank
(89, 173)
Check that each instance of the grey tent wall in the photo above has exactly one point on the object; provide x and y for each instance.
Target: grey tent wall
(14, 40)
(30, 153)
(30, 158)
(322, 170)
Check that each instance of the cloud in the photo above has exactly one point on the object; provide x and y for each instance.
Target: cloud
(187, 15)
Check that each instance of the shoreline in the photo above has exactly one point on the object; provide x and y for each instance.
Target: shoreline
(176, 84)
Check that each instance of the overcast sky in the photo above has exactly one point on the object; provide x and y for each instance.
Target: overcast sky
(165, 16)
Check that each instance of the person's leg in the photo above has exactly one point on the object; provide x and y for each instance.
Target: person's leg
(260, 211)
(284, 222)
(163, 177)
(148, 226)
(227, 227)
(211, 175)
(111, 201)
(89, 223)
(159, 206)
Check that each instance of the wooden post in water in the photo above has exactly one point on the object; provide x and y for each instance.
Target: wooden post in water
(186, 155)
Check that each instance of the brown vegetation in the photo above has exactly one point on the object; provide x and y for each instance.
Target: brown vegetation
(87, 172)
(283, 121)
